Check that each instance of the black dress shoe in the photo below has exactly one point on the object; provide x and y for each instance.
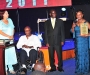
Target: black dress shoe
(24, 70)
(61, 70)
(52, 70)
(33, 69)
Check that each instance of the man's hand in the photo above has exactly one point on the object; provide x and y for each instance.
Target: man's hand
(25, 46)
(62, 43)
(47, 45)
(30, 46)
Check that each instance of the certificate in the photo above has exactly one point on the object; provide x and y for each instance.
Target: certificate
(84, 29)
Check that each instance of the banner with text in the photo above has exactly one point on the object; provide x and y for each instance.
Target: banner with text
(13, 4)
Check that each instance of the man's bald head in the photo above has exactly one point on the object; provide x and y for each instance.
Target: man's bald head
(40, 67)
(27, 30)
(27, 27)
(38, 73)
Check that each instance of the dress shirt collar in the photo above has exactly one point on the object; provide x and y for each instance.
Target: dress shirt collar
(28, 36)
(53, 18)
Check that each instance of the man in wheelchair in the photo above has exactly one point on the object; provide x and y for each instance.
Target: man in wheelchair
(28, 44)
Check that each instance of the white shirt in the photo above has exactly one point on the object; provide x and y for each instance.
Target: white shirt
(33, 40)
(53, 20)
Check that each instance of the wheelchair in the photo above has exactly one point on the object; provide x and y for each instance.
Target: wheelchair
(18, 68)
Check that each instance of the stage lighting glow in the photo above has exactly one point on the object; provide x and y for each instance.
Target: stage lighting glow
(63, 9)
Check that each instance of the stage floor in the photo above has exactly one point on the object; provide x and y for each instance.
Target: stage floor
(68, 66)
(66, 54)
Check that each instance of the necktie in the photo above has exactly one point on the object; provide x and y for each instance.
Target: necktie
(53, 23)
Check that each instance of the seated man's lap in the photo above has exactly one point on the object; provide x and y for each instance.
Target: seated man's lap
(32, 56)
(23, 56)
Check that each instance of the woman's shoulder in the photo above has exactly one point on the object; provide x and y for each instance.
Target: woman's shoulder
(85, 21)
(9, 19)
(1, 22)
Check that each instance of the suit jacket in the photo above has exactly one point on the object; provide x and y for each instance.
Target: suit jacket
(54, 36)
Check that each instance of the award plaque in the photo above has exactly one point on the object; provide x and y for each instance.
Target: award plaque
(84, 29)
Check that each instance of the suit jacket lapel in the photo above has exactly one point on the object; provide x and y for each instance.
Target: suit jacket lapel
(50, 23)
(55, 24)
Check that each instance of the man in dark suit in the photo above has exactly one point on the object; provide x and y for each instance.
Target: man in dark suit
(54, 35)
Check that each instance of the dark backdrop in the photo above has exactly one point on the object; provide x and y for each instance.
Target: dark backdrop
(29, 17)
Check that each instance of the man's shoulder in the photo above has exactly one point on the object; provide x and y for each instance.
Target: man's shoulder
(59, 20)
(34, 35)
(22, 36)
(47, 20)
(56, 19)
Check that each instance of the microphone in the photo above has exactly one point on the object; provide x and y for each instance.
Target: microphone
(75, 21)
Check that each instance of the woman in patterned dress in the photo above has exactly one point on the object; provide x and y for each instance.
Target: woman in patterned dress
(81, 45)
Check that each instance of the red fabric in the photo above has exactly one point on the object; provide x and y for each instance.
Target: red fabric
(2, 67)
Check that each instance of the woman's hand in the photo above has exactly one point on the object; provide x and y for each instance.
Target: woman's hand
(10, 37)
(86, 35)
(73, 26)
